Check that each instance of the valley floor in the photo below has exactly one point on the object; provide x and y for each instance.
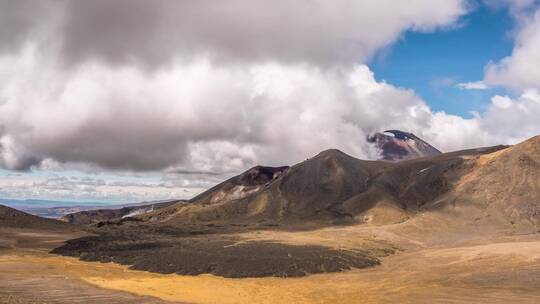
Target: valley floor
(500, 268)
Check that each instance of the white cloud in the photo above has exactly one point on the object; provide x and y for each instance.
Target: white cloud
(502, 102)
(108, 188)
(476, 85)
(199, 85)
(202, 117)
(521, 70)
(198, 116)
(512, 120)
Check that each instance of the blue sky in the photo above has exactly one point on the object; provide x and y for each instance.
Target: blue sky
(433, 63)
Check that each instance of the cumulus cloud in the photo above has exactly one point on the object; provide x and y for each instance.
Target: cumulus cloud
(195, 116)
(513, 119)
(200, 85)
(520, 70)
(207, 118)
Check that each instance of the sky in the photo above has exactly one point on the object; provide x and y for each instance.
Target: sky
(434, 63)
(131, 100)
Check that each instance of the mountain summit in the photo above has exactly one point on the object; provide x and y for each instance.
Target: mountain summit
(395, 145)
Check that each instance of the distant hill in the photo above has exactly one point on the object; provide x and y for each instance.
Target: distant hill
(94, 216)
(12, 218)
(58, 209)
(51, 208)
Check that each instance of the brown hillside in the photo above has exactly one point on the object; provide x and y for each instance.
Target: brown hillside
(331, 188)
(11, 218)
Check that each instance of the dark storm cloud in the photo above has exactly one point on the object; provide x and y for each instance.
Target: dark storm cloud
(17, 19)
(117, 139)
(118, 31)
(315, 31)
(15, 158)
(151, 32)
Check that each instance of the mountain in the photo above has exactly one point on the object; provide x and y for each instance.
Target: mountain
(264, 222)
(62, 209)
(335, 188)
(312, 190)
(12, 218)
(94, 216)
(502, 188)
(395, 145)
(330, 188)
(51, 208)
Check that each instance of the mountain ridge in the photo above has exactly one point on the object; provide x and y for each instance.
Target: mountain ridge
(375, 208)
(331, 187)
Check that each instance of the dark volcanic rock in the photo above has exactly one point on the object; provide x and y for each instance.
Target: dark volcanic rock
(261, 175)
(242, 185)
(215, 254)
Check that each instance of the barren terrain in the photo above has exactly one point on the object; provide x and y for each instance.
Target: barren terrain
(502, 268)
(454, 228)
